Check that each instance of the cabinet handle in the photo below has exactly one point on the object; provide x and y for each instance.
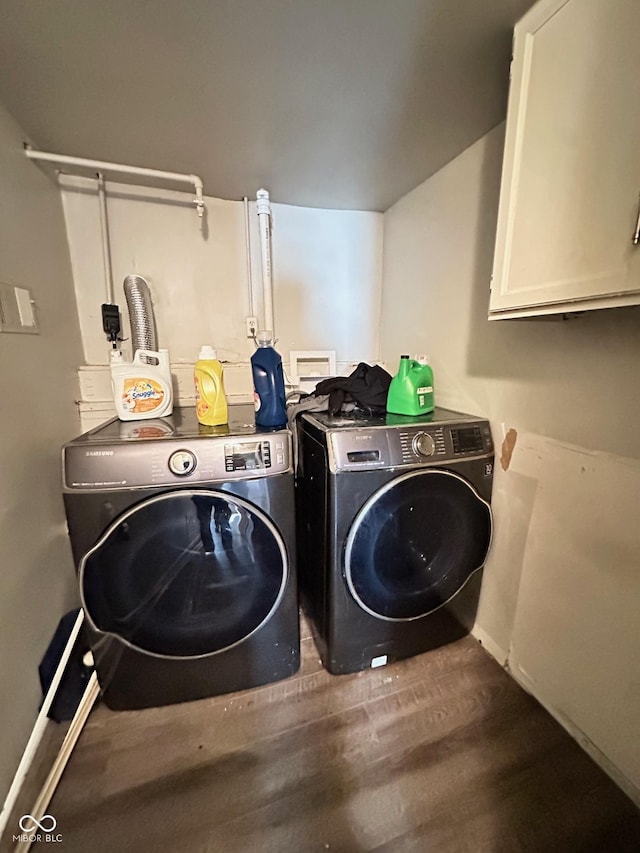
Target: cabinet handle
(636, 236)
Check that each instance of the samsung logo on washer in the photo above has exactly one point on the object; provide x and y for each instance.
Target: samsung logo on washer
(99, 453)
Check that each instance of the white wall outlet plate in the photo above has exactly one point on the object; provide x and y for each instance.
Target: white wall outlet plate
(252, 327)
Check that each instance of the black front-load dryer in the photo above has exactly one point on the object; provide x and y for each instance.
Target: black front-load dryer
(184, 542)
(394, 525)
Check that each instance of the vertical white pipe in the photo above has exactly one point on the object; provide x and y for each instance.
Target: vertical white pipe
(199, 199)
(106, 248)
(264, 220)
(247, 245)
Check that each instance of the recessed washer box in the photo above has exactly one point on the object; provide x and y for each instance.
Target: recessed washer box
(308, 367)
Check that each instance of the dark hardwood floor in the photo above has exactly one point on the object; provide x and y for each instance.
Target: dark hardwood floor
(442, 752)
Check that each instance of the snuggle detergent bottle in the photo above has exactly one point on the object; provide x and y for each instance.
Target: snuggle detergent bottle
(411, 389)
(142, 388)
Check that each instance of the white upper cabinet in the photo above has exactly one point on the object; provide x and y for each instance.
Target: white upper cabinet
(569, 199)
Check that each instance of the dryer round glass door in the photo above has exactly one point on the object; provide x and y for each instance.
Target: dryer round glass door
(185, 574)
(415, 543)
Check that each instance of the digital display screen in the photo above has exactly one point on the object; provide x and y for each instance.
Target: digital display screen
(363, 456)
(466, 440)
(247, 456)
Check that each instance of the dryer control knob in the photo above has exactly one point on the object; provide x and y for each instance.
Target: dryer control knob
(182, 462)
(423, 444)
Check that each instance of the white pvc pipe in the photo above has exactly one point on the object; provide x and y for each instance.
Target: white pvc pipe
(106, 248)
(103, 166)
(264, 219)
(38, 809)
(247, 246)
(40, 725)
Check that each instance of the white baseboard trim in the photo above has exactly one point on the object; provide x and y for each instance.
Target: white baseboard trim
(622, 781)
(487, 642)
(502, 657)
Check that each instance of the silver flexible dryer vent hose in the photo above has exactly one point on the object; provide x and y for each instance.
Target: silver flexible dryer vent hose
(143, 325)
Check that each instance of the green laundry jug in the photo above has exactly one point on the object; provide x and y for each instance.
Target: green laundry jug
(411, 389)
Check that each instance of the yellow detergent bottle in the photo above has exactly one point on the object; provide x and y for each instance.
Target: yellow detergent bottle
(211, 403)
(142, 388)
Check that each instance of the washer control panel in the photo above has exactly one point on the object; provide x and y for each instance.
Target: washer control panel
(363, 448)
(209, 459)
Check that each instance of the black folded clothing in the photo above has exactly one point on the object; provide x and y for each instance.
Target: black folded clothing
(367, 387)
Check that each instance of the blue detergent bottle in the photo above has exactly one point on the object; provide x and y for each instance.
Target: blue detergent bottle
(268, 384)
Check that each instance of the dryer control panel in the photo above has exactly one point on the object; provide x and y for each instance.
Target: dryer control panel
(175, 461)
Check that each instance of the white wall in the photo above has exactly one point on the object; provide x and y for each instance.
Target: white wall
(327, 268)
(37, 389)
(561, 589)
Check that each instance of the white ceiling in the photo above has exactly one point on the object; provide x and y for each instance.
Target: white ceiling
(326, 103)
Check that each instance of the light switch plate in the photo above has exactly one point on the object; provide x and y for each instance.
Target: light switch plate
(17, 310)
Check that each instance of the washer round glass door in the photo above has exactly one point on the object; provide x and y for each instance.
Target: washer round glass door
(415, 543)
(185, 574)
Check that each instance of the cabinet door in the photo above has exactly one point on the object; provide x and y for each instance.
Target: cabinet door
(571, 174)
